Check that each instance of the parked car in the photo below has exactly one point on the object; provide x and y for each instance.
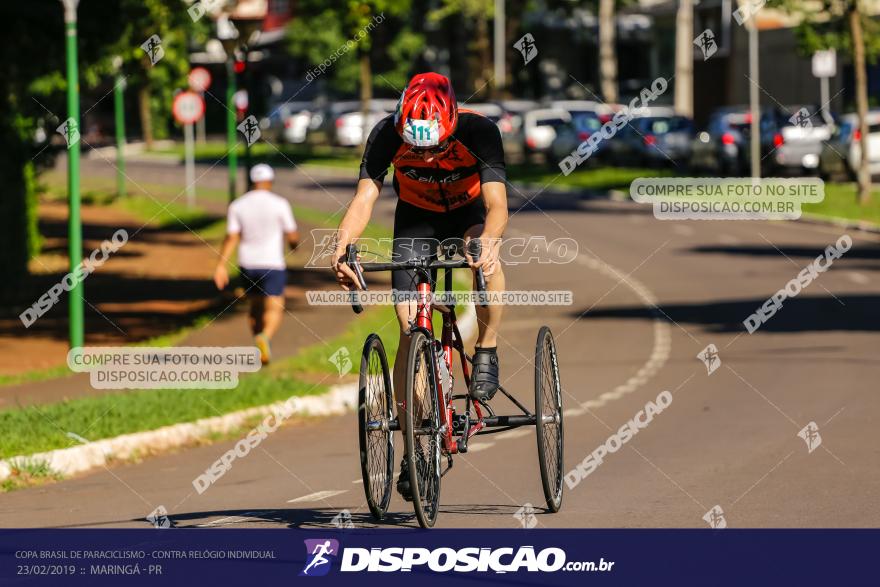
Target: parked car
(654, 140)
(288, 122)
(570, 135)
(539, 128)
(842, 153)
(511, 126)
(350, 126)
(799, 140)
(724, 146)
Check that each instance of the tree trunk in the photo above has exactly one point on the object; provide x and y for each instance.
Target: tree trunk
(684, 59)
(513, 20)
(483, 47)
(366, 84)
(607, 51)
(146, 116)
(855, 25)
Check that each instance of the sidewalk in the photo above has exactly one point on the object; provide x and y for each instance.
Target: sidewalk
(157, 283)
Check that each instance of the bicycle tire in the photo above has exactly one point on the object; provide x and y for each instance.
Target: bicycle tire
(548, 418)
(422, 438)
(375, 412)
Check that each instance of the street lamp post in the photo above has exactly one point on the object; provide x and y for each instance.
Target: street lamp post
(119, 112)
(228, 35)
(74, 228)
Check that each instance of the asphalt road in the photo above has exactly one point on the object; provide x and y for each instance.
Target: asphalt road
(649, 296)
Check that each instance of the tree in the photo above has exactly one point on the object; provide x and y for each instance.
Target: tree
(608, 50)
(474, 16)
(32, 86)
(684, 58)
(340, 33)
(842, 25)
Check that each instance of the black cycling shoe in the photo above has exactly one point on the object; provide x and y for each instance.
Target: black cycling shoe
(403, 487)
(484, 379)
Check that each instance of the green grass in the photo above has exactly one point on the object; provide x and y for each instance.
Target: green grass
(841, 202)
(27, 472)
(281, 155)
(598, 178)
(42, 428)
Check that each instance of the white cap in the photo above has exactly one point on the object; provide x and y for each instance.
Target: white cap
(262, 172)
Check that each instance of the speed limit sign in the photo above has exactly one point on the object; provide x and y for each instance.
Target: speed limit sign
(188, 107)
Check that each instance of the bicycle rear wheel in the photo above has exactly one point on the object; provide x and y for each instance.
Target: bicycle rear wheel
(548, 416)
(375, 413)
(422, 437)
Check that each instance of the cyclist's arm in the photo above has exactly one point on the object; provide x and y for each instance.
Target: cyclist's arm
(495, 197)
(381, 146)
(358, 214)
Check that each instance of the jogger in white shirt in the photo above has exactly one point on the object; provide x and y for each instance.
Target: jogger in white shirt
(258, 223)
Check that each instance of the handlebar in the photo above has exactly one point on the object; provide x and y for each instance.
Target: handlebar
(426, 264)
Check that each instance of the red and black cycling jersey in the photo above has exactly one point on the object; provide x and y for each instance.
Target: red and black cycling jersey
(453, 178)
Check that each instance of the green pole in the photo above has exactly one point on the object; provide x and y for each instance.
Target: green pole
(119, 110)
(231, 142)
(74, 228)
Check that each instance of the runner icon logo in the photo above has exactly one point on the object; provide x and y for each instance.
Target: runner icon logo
(710, 358)
(320, 553)
(810, 435)
(715, 518)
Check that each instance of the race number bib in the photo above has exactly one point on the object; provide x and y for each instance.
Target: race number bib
(422, 133)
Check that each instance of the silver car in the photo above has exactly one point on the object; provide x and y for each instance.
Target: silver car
(842, 153)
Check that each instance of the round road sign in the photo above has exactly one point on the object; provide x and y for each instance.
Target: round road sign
(199, 79)
(188, 107)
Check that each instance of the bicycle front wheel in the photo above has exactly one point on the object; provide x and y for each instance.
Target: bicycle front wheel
(422, 437)
(375, 413)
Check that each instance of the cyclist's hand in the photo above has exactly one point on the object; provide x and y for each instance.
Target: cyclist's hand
(221, 277)
(345, 277)
(490, 250)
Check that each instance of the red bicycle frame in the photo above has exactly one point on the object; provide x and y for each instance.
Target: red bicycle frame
(450, 340)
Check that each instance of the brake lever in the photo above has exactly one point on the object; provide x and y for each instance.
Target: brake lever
(475, 247)
(351, 253)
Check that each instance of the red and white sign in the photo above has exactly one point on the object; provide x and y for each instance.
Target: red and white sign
(199, 79)
(240, 99)
(188, 107)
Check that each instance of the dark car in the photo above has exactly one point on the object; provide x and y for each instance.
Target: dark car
(654, 141)
(724, 147)
(571, 134)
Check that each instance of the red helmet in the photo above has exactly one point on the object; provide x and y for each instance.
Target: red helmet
(427, 112)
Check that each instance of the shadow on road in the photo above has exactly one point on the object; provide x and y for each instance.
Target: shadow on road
(801, 314)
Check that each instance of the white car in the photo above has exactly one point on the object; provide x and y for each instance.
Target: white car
(539, 127)
(350, 127)
(842, 153)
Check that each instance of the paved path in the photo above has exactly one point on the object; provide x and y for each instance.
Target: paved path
(728, 439)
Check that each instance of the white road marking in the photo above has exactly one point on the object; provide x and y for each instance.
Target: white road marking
(233, 519)
(318, 495)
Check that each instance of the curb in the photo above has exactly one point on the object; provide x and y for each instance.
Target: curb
(78, 459)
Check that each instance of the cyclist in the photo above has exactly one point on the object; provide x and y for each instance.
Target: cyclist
(449, 176)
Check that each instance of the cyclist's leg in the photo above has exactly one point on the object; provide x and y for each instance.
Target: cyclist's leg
(414, 237)
(488, 318)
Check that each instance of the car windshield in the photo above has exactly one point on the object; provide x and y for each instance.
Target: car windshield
(549, 122)
(587, 121)
(659, 126)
